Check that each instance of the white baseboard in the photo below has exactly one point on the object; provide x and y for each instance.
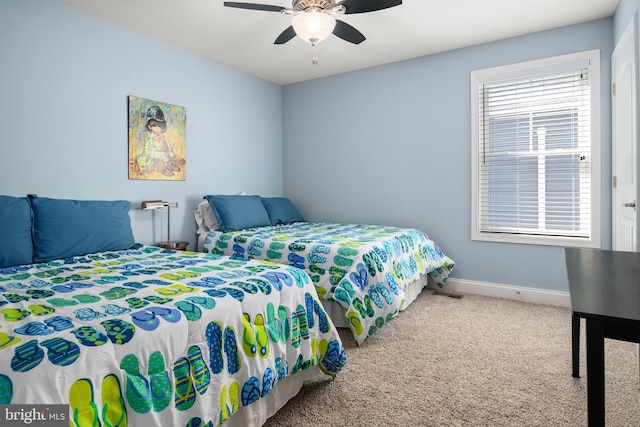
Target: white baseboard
(519, 293)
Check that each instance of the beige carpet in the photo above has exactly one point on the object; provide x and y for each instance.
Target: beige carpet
(474, 361)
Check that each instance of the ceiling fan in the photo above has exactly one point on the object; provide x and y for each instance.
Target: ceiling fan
(313, 20)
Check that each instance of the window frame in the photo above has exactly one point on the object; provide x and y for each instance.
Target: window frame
(531, 68)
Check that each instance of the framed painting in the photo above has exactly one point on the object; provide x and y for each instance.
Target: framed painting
(157, 140)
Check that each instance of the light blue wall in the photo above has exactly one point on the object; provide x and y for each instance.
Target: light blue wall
(64, 80)
(624, 13)
(392, 145)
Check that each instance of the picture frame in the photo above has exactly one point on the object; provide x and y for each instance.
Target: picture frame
(157, 140)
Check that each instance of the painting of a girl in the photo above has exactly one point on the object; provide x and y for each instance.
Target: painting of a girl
(157, 134)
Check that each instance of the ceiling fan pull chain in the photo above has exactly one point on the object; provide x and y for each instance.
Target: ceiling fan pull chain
(314, 46)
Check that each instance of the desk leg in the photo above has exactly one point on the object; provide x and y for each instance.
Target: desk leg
(595, 372)
(575, 345)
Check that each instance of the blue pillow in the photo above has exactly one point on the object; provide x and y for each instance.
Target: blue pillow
(67, 228)
(238, 212)
(15, 231)
(281, 210)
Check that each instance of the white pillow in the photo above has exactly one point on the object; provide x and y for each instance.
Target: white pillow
(205, 218)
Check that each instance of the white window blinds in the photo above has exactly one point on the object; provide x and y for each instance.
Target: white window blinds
(534, 141)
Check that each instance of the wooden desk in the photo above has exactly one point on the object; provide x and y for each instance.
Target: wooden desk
(605, 290)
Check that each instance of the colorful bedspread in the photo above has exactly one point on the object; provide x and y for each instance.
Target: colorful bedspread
(157, 337)
(365, 268)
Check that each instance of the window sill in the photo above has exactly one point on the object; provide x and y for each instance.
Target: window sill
(579, 242)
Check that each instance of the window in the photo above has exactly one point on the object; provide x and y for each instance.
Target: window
(536, 152)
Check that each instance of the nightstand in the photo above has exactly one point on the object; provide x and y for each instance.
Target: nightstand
(178, 246)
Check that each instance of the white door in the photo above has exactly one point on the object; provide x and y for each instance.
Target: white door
(625, 142)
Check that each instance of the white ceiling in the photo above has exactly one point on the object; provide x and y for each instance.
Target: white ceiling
(243, 39)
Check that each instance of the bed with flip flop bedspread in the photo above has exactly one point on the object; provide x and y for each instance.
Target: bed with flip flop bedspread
(364, 268)
(145, 336)
(157, 337)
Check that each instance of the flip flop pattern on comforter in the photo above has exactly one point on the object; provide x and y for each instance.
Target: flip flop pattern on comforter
(365, 268)
(149, 336)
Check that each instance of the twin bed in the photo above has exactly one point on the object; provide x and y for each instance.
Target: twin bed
(127, 334)
(364, 274)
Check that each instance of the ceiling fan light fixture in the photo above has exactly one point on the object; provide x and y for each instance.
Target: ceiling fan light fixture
(313, 26)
